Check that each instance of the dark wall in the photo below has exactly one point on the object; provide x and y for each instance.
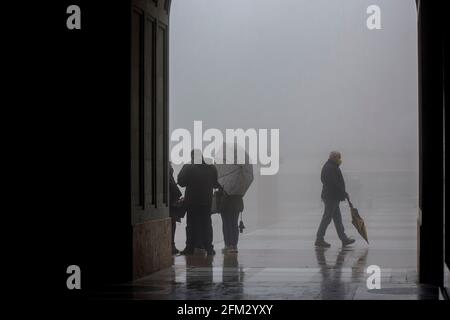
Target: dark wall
(89, 95)
(446, 56)
(78, 85)
(431, 112)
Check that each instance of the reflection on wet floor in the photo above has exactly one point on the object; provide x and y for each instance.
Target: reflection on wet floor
(333, 286)
(280, 262)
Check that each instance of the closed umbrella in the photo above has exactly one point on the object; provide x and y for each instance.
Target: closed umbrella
(358, 222)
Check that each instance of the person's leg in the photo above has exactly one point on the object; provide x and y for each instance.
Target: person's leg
(330, 206)
(234, 229)
(198, 228)
(189, 232)
(174, 227)
(337, 219)
(225, 228)
(189, 229)
(207, 231)
(202, 229)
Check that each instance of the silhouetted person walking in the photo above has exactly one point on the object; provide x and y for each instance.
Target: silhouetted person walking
(200, 180)
(333, 192)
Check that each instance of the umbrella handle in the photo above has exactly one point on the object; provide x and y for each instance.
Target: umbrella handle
(349, 202)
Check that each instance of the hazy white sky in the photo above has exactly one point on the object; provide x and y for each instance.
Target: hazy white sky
(309, 68)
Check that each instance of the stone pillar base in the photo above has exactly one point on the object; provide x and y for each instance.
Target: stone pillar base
(152, 246)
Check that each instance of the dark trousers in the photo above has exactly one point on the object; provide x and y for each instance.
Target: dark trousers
(199, 232)
(230, 228)
(331, 212)
(174, 228)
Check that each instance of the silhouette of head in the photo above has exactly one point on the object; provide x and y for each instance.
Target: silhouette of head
(336, 157)
(197, 156)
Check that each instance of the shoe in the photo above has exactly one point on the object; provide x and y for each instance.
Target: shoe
(233, 250)
(226, 249)
(210, 252)
(175, 251)
(347, 242)
(199, 251)
(322, 244)
(187, 252)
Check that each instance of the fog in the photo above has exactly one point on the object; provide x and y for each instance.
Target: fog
(313, 70)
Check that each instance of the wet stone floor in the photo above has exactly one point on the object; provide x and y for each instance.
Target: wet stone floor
(279, 261)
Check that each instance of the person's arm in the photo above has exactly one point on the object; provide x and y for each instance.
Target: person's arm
(341, 184)
(215, 177)
(241, 204)
(182, 178)
(177, 192)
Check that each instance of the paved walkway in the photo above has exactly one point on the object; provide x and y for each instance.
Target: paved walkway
(280, 262)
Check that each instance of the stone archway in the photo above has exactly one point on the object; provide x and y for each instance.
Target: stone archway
(151, 232)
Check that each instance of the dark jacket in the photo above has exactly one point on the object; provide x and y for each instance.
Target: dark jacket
(174, 191)
(199, 180)
(333, 182)
(232, 203)
(175, 211)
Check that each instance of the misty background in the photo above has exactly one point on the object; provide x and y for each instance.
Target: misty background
(313, 70)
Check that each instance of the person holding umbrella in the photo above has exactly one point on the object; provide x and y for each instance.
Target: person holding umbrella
(333, 192)
(234, 179)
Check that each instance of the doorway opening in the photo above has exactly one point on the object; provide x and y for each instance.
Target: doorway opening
(326, 82)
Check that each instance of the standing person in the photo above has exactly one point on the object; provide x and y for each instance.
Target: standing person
(333, 192)
(200, 180)
(175, 195)
(231, 207)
